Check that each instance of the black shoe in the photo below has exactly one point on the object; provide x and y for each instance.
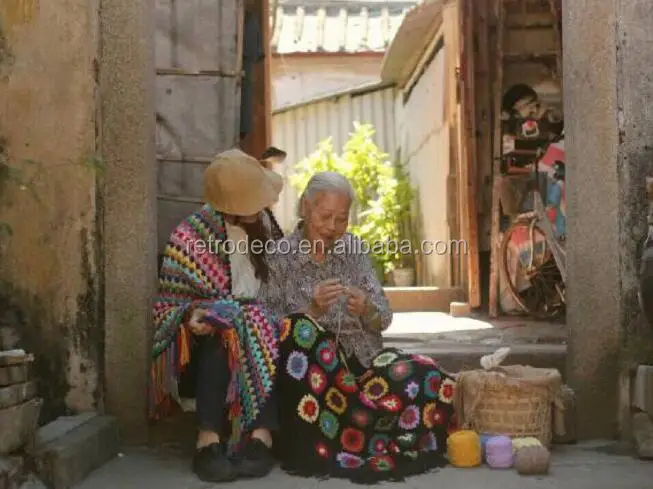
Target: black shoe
(212, 465)
(255, 460)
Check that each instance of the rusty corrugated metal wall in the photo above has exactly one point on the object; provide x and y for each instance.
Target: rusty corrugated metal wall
(300, 128)
(198, 49)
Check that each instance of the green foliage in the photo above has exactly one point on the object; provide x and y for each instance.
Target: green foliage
(383, 192)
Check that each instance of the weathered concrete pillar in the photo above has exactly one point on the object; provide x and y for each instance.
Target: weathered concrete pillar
(608, 92)
(127, 139)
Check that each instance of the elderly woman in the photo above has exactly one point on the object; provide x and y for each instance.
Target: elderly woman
(214, 341)
(349, 407)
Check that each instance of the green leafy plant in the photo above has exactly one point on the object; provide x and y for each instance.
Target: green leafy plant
(383, 192)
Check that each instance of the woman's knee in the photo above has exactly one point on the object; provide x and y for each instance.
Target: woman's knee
(212, 353)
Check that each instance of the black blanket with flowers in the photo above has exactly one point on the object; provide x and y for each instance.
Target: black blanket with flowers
(391, 422)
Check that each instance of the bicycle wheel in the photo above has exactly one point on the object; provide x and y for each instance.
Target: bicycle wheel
(530, 271)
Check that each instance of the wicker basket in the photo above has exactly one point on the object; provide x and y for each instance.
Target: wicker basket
(512, 400)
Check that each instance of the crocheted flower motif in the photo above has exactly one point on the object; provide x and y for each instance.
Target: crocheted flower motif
(322, 450)
(400, 370)
(376, 388)
(297, 365)
(428, 443)
(407, 440)
(378, 444)
(385, 423)
(411, 454)
(409, 419)
(382, 463)
(317, 379)
(393, 447)
(431, 415)
(412, 389)
(349, 461)
(308, 409)
(447, 391)
(352, 440)
(346, 382)
(432, 384)
(286, 325)
(304, 333)
(424, 360)
(326, 355)
(384, 359)
(390, 403)
(360, 418)
(366, 401)
(329, 424)
(336, 401)
(368, 374)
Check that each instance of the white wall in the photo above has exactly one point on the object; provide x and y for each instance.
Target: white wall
(297, 79)
(424, 139)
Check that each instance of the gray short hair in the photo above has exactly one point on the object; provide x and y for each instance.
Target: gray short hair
(326, 181)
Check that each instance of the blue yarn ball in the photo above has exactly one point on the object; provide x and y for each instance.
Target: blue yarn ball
(484, 439)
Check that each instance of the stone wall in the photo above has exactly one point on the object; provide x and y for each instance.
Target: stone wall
(78, 274)
(608, 92)
(49, 268)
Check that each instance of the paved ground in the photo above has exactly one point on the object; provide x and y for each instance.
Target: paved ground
(592, 465)
(431, 327)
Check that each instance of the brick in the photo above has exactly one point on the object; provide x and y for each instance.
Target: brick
(15, 357)
(18, 425)
(15, 374)
(13, 395)
(642, 391)
(66, 454)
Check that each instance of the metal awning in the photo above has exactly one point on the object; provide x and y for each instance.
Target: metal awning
(413, 36)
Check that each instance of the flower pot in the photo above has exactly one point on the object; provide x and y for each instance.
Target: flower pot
(403, 277)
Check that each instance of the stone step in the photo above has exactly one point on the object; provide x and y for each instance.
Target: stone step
(411, 299)
(455, 357)
(68, 449)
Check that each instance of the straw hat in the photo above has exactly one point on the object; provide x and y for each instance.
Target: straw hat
(236, 183)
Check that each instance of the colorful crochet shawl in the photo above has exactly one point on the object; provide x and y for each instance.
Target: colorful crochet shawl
(196, 272)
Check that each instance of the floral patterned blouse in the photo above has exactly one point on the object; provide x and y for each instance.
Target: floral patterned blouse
(294, 273)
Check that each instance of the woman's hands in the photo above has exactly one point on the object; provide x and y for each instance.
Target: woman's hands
(324, 295)
(197, 325)
(357, 302)
(328, 292)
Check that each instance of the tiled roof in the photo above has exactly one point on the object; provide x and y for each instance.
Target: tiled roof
(336, 26)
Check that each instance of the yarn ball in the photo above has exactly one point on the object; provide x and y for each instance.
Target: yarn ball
(528, 441)
(499, 452)
(484, 439)
(533, 460)
(464, 449)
